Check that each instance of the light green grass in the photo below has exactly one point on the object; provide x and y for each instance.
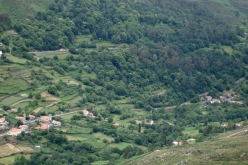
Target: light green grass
(13, 85)
(61, 55)
(121, 145)
(22, 105)
(16, 59)
(23, 9)
(11, 159)
(68, 117)
(102, 136)
(191, 131)
(10, 100)
(73, 137)
(100, 163)
(228, 49)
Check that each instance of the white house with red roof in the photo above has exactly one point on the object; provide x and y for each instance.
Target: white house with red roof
(42, 127)
(15, 131)
(23, 127)
(20, 118)
(45, 119)
(2, 120)
(209, 98)
(85, 112)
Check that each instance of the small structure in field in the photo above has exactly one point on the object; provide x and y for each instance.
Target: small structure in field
(117, 124)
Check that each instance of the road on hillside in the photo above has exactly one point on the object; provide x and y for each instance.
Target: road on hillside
(243, 131)
(62, 114)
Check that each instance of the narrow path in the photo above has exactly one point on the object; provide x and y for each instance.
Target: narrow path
(243, 131)
(21, 102)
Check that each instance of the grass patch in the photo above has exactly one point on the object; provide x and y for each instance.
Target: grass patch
(8, 149)
(121, 145)
(13, 85)
(73, 137)
(11, 159)
(100, 163)
(228, 49)
(45, 150)
(16, 60)
(191, 131)
(102, 136)
(68, 117)
(10, 100)
(22, 105)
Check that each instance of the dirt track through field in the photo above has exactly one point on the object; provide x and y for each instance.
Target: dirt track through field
(26, 100)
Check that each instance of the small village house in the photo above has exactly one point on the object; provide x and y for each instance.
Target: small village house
(20, 118)
(23, 127)
(91, 115)
(216, 101)
(175, 143)
(15, 131)
(224, 125)
(31, 117)
(2, 120)
(117, 124)
(190, 140)
(43, 127)
(209, 98)
(238, 125)
(56, 123)
(85, 112)
(223, 99)
(45, 119)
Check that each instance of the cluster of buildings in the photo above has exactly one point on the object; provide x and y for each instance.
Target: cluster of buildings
(175, 143)
(45, 123)
(222, 99)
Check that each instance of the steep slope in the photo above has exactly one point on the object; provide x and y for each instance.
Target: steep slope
(228, 148)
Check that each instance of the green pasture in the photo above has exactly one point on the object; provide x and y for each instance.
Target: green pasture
(102, 136)
(22, 105)
(11, 159)
(10, 100)
(16, 60)
(13, 85)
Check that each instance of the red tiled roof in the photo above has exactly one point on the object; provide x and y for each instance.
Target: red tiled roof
(42, 127)
(15, 130)
(2, 119)
(45, 118)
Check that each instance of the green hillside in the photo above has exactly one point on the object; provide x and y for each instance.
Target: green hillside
(24, 9)
(149, 72)
(228, 149)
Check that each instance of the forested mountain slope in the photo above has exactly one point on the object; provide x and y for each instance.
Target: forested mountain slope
(175, 44)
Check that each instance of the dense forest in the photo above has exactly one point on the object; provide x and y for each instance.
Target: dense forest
(173, 45)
